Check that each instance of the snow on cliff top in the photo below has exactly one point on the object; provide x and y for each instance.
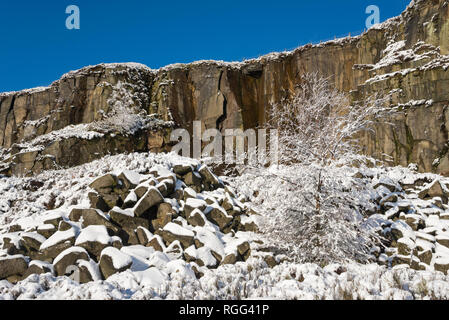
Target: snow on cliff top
(235, 64)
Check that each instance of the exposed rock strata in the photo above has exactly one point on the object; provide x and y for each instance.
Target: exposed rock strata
(35, 125)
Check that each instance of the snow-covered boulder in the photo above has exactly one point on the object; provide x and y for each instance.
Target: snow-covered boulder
(126, 218)
(150, 199)
(69, 258)
(173, 232)
(32, 241)
(46, 230)
(165, 214)
(114, 261)
(144, 235)
(91, 217)
(89, 271)
(94, 239)
(432, 190)
(58, 242)
(12, 266)
(38, 267)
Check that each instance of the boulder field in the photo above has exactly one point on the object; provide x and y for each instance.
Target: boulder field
(136, 221)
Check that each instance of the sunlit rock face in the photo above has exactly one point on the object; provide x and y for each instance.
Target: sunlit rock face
(77, 119)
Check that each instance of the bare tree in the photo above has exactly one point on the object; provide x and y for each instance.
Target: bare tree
(314, 206)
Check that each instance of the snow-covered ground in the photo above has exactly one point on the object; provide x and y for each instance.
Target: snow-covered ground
(24, 201)
(286, 281)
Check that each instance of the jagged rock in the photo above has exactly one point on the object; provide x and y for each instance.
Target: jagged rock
(92, 217)
(175, 249)
(165, 214)
(94, 239)
(399, 229)
(111, 189)
(178, 229)
(140, 191)
(196, 218)
(173, 232)
(151, 198)
(38, 267)
(130, 201)
(144, 235)
(229, 259)
(114, 261)
(97, 202)
(54, 219)
(57, 243)
(189, 193)
(14, 228)
(181, 169)
(405, 246)
(32, 241)
(126, 218)
(444, 216)
(112, 200)
(77, 213)
(104, 184)
(209, 179)
(244, 250)
(442, 264)
(178, 194)
(196, 270)
(219, 216)
(190, 254)
(204, 257)
(117, 242)
(247, 223)
(128, 236)
(386, 183)
(69, 258)
(414, 221)
(432, 190)
(13, 245)
(12, 266)
(88, 271)
(157, 243)
(443, 239)
(270, 260)
(166, 187)
(129, 179)
(65, 225)
(192, 204)
(389, 198)
(424, 244)
(400, 259)
(425, 256)
(192, 179)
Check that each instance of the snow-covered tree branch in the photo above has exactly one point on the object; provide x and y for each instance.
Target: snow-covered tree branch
(314, 207)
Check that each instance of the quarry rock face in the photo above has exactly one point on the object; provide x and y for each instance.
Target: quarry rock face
(80, 117)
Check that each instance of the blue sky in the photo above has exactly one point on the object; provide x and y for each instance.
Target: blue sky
(36, 48)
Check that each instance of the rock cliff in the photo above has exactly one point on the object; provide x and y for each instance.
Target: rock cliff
(114, 108)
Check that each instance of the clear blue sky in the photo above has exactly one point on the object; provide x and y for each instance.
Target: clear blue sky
(36, 48)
